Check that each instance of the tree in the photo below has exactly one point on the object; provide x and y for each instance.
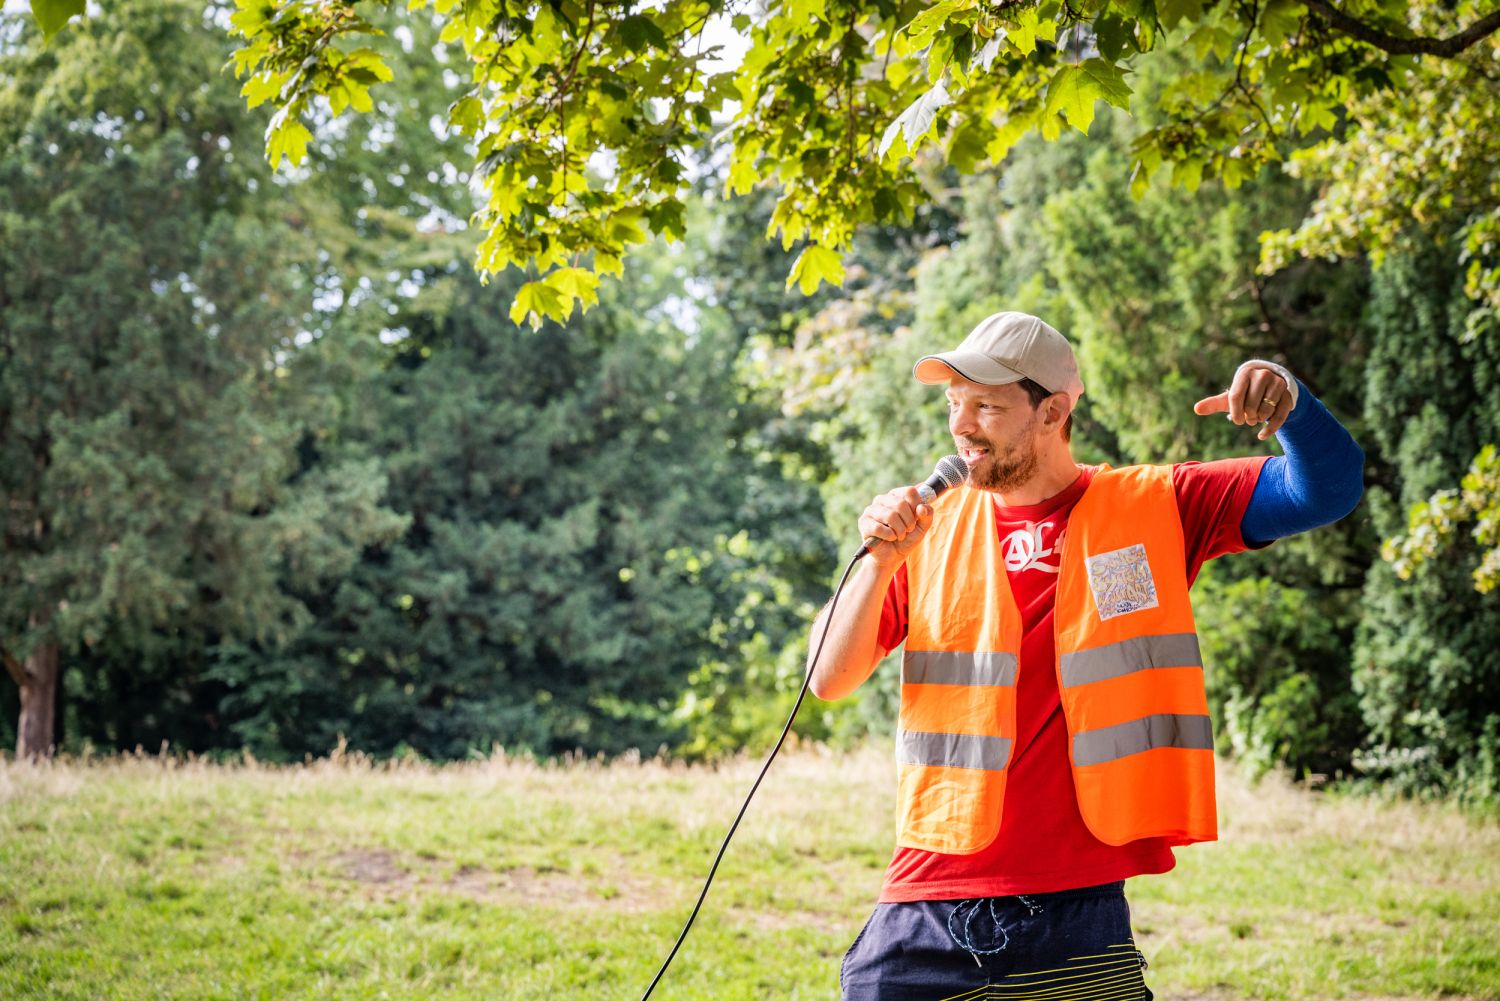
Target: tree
(593, 516)
(1426, 669)
(582, 112)
(1421, 171)
(152, 404)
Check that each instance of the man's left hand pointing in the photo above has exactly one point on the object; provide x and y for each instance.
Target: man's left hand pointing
(1256, 395)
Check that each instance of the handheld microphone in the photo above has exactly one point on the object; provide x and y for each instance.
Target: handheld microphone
(950, 472)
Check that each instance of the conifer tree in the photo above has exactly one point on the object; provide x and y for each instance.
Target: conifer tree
(152, 401)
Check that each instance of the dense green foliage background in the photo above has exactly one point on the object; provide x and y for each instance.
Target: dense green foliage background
(279, 472)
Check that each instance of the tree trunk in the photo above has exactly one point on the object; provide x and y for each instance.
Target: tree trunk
(37, 678)
(38, 700)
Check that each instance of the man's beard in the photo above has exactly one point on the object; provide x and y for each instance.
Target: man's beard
(1000, 473)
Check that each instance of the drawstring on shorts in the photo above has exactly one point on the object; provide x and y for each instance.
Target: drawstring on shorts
(966, 940)
(964, 937)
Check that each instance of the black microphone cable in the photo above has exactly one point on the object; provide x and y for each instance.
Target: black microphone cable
(949, 473)
(828, 621)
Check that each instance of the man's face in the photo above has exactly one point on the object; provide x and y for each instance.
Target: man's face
(995, 429)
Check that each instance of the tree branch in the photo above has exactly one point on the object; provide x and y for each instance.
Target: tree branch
(1414, 46)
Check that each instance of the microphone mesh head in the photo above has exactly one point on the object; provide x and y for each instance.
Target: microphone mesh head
(951, 470)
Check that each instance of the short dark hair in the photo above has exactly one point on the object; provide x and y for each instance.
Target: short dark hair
(1036, 393)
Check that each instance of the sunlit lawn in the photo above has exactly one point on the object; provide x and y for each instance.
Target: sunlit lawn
(155, 879)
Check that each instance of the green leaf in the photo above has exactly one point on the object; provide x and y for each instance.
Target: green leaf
(367, 66)
(1111, 35)
(359, 97)
(1072, 94)
(807, 10)
(898, 71)
(1047, 24)
(627, 226)
(608, 264)
(286, 137)
(639, 33)
(925, 25)
(1234, 171)
(505, 194)
(536, 301)
(967, 146)
(1110, 82)
(1188, 173)
(53, 15)
(1169, 12)
(1008, 135)
(1147, 161)
(1316, 115)
(1212, 38)
(1202, 87)
(575, 284)
(1145, 35)
(262, 87)
(666, 219)
(1280, 19)
(814, 265)
(916, 120)
(1074, 89)
(1022, 34)
(939, 54)
(1051, 127)
(467, 115)
(742, 176)
(250, 18)
(893, 144)
(544, 42)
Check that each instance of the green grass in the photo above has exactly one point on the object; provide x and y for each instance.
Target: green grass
(158, 879)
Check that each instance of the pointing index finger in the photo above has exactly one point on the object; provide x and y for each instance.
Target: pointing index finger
(1212, 404)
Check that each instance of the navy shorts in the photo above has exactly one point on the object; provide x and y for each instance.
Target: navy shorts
(1072, 944)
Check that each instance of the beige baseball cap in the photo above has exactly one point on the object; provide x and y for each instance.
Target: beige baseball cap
(1006, 348)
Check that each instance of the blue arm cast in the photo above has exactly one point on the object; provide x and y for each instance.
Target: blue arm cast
(1317, 481)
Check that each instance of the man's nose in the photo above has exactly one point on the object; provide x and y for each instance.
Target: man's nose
(961, 421)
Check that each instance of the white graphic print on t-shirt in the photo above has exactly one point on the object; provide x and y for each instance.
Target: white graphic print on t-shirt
(1028, 548)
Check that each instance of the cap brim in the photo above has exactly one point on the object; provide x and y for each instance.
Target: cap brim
(937, 369)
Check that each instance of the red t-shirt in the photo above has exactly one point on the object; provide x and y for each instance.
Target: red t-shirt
(1043, 845)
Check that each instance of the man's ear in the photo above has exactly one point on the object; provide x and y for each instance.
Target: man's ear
(1055, 410)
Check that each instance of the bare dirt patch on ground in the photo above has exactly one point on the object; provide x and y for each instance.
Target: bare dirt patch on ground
(375, 866)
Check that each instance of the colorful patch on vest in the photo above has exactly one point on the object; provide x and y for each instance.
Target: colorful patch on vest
(1121, 581)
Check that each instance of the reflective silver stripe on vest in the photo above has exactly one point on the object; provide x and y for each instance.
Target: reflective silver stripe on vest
(1135, 654)
(1124, 739)
(953, 667)
(954, 750)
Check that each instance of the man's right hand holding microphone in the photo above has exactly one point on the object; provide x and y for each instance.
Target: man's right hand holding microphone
(892, 526)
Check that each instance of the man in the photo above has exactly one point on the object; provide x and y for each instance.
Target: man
(1054, 736)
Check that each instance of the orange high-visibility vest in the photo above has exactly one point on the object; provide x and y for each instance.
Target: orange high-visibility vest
(1128, 669)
